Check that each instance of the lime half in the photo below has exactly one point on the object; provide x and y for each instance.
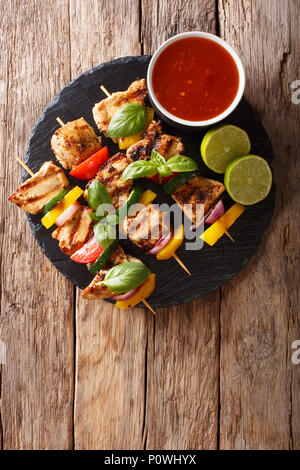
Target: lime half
(248, 180)
(221, 145)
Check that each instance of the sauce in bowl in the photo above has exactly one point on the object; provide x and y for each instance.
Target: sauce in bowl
(195, 79)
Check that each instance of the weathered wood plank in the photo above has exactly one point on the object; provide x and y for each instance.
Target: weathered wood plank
(110, 344)
(183, 343)
(260, 402)
(36, 321)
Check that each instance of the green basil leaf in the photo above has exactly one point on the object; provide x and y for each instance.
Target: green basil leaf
(105, 234)
(181, 163)
(161, 165)
(157, 159)
(128, 120)
(164, 170)
(126, 276)
(139, 169)
(97, 194)
(94, 216)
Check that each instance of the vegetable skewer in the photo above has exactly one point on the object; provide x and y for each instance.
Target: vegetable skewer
(31, 173)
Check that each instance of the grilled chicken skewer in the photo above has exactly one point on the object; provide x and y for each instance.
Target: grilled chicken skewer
(98, 290)
(38, 190)
(74, 142)
(75, 232)
(35, 192)
(153, 139)
(198, 191)
(105, 109)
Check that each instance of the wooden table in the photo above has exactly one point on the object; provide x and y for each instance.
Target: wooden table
(215, 373)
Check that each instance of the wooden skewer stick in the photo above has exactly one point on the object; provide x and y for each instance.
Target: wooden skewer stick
(105, 90)
(25, 166)
(181, 263)
(149, 306)
(60, 121)
(229, 236)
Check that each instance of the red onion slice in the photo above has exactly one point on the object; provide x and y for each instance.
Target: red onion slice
(212, 216)
(160, 244)
(127, 295)
(216, 213)
(67, 214)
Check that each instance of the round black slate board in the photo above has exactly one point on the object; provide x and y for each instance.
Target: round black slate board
(211, 266)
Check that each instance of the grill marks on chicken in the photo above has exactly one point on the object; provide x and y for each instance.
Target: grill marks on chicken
(104, 111)
(153, 139)
(146, 227)
(32, 195)
(198, 190)
(75, 142)
(110, 175)
(96, 289)
(75, 232)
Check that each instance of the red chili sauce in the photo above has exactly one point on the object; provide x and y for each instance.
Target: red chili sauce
(195, 79)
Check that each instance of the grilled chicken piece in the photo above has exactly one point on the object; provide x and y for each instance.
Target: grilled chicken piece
(147, 227)
(100, 291)
(153, 139)
(110, 175)
(75, 142)
(40, 188)
(198, 190)
(75, 232)
(104, 111)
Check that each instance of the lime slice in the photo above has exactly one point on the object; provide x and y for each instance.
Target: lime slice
(221, 145)
(248, 179)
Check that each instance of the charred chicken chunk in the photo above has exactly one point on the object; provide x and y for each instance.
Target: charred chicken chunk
(198, 190)
(75, 232)
(153, 139)
(147, 227)
(96, 289)
(75, 142)
(40, 188)
(110, 175)
(104, 111)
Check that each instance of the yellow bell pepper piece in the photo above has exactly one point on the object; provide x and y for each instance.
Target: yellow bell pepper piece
(147, 197)
(126, 142)
(173, 244)
(217, 230)
(213, 233)
(232, 215)
(49, 219)
(144, 291)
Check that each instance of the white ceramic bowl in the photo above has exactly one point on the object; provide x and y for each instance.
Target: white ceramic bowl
(193, 125)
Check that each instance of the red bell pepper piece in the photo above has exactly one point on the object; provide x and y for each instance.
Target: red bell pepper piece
(164, 179)
(88, 253)
(89, 168)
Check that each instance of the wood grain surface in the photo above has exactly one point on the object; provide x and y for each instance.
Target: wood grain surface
(260, 318)
(213, 373)
(37, 327)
